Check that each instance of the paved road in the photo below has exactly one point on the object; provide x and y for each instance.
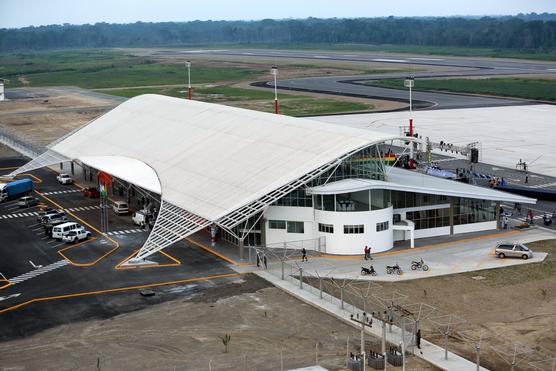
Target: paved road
(347, 85)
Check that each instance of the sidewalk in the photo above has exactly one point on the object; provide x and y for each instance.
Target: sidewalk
(431, 353)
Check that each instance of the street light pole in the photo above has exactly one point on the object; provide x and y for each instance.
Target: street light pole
(188, 65)
(409, 82)
(274, 71)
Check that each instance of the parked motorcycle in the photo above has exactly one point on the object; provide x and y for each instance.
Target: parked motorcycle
(546, 220)
(394, 269)
(419, 265)
(368, 271)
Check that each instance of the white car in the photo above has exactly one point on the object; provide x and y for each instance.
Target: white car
(64, 179)
(76, 235)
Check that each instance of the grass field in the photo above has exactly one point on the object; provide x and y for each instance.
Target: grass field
(261, 100)
(541, 89)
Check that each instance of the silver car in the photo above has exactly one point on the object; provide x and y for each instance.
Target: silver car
(513, 250)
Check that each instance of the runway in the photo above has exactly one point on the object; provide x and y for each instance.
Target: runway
(352, 86)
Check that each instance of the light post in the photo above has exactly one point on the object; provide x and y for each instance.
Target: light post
(188, 66)
(274, 71)
(409, 82)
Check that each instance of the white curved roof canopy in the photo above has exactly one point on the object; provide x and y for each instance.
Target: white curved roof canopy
(210, 159)
(410, 181)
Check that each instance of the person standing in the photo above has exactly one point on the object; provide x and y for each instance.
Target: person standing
(418, 340)
(530, 216)
(264, 262)
(505, 221)
(366, 249)
(370, 256)
(304, 255)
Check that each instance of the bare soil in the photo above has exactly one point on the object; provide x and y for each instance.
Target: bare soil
(263, 322)
(513, 306)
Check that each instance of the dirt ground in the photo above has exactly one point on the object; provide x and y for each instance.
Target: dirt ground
(263, 321)
(513, 306)
(43, 120)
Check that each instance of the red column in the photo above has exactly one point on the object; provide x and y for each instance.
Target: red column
(189, 93)
(276, 106)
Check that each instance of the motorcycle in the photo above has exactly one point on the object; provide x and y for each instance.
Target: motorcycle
(368, 271)
(547, 220)
(394, 269)
(419, 265)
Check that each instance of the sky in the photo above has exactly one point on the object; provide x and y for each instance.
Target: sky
(21, 13)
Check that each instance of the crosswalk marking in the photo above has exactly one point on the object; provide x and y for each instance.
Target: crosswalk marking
(38, 271)
(18, 215)
(34, 213)
(61, 192)
(127, 231)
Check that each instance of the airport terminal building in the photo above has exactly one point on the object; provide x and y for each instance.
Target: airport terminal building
(265, 179)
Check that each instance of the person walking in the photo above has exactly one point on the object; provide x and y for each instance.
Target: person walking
(304, 255)
(258, 261)
(366, 253)
(418, 340)
(505, 221)
(264, 262)
(370, 256)
(530, 216)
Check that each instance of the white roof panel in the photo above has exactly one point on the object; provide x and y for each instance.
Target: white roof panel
(411, 181)
(211, 159)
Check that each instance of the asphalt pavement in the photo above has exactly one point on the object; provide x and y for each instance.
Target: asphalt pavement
(55, 283)
(351, 86)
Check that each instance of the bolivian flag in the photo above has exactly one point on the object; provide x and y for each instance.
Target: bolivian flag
(103, 191)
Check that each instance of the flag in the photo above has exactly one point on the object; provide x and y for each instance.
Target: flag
(103, 191)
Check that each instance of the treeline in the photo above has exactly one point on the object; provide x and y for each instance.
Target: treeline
(514, 32)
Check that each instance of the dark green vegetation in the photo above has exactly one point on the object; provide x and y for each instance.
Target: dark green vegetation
(488, 32)
(97, 68)
(261, 100)
(541, 89)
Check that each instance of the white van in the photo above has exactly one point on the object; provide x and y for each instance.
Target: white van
(61, 230)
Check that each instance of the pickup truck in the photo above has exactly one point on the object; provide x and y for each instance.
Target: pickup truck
(15, 189)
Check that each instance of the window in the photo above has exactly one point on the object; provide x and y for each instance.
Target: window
(277, 224)
(296, 227)
(382, 226)
(354, 229)
(326, 228)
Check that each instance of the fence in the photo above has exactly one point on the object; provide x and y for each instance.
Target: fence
(19, 143)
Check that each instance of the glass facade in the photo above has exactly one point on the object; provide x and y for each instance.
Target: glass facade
(277, 224)
(296, 197)
(354, 201)
(434, 218)
(296, 227)
(326, 228)
(401, 200)
(384, 226)
(354, 229)
(467, 210)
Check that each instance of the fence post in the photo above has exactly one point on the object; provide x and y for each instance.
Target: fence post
(320, 287)
(342, 297)
(282, 270)
(301, 278)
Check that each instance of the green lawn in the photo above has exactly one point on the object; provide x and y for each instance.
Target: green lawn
(542, 89)
(261, 100)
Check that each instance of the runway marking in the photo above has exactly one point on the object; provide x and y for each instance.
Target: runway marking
(62, 192)
(389, 60)
(426, 59)
(39, 271)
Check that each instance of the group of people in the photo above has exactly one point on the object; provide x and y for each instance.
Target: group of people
(367, 251)
(494, 181)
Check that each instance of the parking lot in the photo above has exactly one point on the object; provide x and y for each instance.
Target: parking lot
(82, 280)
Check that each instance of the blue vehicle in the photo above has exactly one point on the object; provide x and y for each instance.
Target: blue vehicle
(15, 189)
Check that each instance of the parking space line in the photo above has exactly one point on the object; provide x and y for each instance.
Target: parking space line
(6, 284)
(55, 246)
(116, 244)
(119, 289)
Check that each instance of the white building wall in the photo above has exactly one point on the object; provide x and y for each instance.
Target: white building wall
(291, 213)
(2, 97)
(475, 227)
(353, 244)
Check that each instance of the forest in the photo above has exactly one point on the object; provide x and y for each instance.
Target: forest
(528, 32)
